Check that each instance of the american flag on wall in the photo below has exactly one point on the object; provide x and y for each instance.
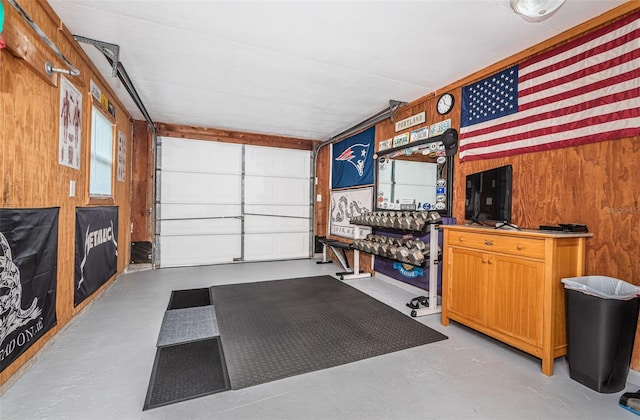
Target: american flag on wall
(585, 91)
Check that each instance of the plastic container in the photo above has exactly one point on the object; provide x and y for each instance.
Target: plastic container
(601, 315)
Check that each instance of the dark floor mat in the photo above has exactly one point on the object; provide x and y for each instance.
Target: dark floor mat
(189, 298)
(185, 371)
(276, 329)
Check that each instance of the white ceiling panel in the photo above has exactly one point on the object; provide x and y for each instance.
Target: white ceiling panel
(308, 69)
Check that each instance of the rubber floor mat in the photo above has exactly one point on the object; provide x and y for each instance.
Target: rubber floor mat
(188, 324)
(189, 298)
(276, 329)
(185, 371)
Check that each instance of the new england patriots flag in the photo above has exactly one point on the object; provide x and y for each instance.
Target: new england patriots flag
(352, 160)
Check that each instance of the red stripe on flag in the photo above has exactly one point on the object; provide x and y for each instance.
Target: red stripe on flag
(554, 113)
(576, 141)
(629, 37)
(582, 73)
(584, 89)
(585, 38)
(554, 129)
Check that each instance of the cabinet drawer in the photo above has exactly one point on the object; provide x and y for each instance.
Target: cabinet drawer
(496, 243)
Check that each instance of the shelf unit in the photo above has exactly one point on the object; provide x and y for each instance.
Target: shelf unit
(433, 276)
(431, 263)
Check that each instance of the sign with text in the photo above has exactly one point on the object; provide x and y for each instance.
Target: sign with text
(411, 121)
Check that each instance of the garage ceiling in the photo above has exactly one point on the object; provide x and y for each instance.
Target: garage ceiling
(307, 69)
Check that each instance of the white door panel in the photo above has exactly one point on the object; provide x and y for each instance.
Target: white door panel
(185, 187)
(275, 246)
(280, 191)
(178, 251)
(270, 224)
(269, 161)
(301, 210)
(186, 155)
(187, 227)
(200, 182)
(197, 210)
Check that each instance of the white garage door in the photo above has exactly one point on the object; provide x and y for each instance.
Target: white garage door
(276, 203)
(221, 202)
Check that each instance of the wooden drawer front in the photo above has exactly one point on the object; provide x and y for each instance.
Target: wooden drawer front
(486, 242)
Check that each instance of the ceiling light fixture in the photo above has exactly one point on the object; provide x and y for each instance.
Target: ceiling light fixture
(535, 10)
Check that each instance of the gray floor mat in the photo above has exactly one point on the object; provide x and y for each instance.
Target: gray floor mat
(189, 324)
(276, 329)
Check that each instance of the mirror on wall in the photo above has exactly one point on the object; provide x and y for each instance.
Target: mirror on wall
(416, 176)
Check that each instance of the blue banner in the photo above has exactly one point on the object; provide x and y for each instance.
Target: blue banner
(353, 160)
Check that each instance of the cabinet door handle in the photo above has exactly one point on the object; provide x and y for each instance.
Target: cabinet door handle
(484, 261)
(488, 242)
(520, 247)
(461, 239)
(490, 261)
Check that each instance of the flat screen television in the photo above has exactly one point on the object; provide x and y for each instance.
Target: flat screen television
(488, 195)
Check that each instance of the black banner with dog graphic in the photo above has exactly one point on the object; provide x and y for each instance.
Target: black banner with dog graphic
(28, 278)
(96, 249)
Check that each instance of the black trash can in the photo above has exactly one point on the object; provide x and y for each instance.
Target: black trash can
(601, 316)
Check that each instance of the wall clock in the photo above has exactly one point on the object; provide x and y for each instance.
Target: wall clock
(445, 103)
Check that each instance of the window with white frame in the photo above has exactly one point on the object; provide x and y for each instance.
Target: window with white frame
(101, 164)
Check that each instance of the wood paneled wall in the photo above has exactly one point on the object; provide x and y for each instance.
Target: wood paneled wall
(229, 136)
(595, 184)
(323, 169)
(30, 174)
(142, 183)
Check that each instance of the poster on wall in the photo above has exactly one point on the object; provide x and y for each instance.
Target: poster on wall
(96, 256)
(122, 156)
(352, 160)
(346, 204)
(70, 124)
(28, 278)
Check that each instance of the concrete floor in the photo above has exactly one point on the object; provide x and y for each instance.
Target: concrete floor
(99, 366)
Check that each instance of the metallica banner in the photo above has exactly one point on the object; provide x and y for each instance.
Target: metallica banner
(353, 160)
(28, 278)
(96, 249)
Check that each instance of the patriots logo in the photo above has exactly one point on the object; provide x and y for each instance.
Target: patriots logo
(356, 155)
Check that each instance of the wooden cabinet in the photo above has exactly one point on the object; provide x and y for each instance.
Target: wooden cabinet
(506, 284)
(470, 286)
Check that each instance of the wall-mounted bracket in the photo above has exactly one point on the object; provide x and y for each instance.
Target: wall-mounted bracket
(394, 106)
(112, 51)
